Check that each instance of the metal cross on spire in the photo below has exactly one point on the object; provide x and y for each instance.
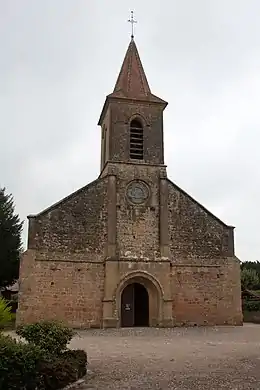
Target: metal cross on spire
(132, 21)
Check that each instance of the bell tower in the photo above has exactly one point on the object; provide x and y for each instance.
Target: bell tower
(132, 117)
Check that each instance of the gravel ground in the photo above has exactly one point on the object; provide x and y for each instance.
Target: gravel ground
(180, 358)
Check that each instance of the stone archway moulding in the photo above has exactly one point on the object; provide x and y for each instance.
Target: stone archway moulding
(139, 117)
(129, 278)
(154, 289)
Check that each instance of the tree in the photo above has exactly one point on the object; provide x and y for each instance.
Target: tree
(252, 265)
(10, 240)
(249, 279)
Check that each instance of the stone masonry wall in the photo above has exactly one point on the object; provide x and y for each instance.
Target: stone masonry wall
(207, 295)
(65, 291)
(152, 119)
(138, 226)
(205, 273)
(62, 272)
(76, 224)
(194, 232)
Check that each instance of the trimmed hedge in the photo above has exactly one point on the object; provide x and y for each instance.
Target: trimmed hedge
(50, 336)
(251, 305)
(251, 316)
(79, 357)
(19, 364)
(62, 370)
(35, 365)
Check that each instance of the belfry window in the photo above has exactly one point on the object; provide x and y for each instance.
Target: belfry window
(136, 140)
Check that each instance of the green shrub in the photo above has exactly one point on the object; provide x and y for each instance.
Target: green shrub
(5, 313)
(27, 366)
(62, 370)
(48, 335)
(251, 305)
(251, 316)
(18, 364)
(79, 357)
(249, 279)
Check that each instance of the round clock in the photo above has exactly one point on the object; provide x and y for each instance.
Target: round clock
(137, 192)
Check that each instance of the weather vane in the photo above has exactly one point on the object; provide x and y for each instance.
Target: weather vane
(132, 21)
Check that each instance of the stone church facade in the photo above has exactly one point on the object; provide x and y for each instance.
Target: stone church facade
(130, 248)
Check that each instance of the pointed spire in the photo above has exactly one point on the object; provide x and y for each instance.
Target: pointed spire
(132, 82)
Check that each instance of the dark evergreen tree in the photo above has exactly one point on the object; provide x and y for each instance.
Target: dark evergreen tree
(10, 240)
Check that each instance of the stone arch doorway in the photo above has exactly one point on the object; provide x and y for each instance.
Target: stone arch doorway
(153, 289)
(134, 305)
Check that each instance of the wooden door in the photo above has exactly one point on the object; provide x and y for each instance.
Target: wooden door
(127, 306)
(141, 305)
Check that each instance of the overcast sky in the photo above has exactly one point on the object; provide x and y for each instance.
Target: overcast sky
(59, 59)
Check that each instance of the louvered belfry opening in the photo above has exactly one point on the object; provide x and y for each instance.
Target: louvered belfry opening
(136, 140)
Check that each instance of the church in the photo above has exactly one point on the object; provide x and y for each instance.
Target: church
(130, 248)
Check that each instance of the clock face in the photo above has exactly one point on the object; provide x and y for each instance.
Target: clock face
(137, 192)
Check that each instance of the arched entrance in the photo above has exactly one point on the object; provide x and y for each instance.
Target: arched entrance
(134, 306)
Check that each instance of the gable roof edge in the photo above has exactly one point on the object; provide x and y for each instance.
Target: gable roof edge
(54, 205)
(200, 205)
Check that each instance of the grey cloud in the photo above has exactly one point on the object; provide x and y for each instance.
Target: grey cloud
(60, 58)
